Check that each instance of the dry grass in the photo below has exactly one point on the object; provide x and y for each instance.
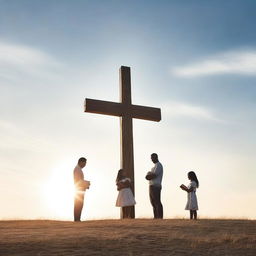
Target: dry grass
(128, 237)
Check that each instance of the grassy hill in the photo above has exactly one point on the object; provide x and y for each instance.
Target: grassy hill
(128, 237)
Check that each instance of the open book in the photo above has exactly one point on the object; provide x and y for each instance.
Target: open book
(182, 186)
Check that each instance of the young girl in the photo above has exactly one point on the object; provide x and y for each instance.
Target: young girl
(192, 205)
(125, 197)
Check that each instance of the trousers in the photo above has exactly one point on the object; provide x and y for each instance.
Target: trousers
(78, 205)
(155, 199)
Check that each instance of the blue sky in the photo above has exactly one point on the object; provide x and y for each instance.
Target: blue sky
(196, 60)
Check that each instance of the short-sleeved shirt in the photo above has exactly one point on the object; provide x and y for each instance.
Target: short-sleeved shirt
(78, 178)
(193, 185)
(158, 171)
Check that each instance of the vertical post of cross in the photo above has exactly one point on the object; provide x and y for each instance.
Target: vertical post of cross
(126, 111)
(127, 158)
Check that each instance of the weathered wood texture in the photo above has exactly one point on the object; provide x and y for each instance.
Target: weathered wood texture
(126, 111)
(103, 107)
(127, 159)
(119, 109)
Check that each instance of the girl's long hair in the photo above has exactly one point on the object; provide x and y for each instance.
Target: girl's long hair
(192, 176)
(120, 175)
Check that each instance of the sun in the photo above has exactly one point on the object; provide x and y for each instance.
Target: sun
(58, 194)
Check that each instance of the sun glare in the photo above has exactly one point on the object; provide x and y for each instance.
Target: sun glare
(58, 194)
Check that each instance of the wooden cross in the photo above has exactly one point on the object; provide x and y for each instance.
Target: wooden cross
(126, 111)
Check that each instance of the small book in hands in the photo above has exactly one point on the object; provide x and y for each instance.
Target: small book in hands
(150, 176)
(86, 184)
(182, 186)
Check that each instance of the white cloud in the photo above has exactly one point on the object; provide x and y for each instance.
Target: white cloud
(232, 62)
(17, 61)
(22, 55)
(179, 109)
(17, 138)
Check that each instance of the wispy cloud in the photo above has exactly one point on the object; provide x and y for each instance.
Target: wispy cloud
(19, 61)
(181, 110)
(232, 62)
(15, 138)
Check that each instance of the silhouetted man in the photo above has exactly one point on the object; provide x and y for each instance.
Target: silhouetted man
(80, 186)
(155, 186)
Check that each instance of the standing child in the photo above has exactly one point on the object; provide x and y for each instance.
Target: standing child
(125, 196)
(192, 205)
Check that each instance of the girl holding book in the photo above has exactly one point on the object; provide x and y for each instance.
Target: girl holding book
(191, 205)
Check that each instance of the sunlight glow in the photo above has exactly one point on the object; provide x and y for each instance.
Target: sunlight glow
(58, 193)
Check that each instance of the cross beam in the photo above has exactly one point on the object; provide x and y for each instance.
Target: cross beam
(126, 111)
(118, 109)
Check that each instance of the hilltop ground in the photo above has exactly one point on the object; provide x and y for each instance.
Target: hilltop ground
(128, 237)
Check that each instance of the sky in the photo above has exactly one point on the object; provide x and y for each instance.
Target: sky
(196, 60)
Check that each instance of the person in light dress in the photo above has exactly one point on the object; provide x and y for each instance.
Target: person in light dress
(192, 204)
(125, 197)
